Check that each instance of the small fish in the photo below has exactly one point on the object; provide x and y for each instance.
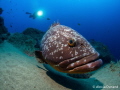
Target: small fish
(11, 26)
(27, 13)
(68, 51)
(33, 16)
(79, 24)
(48, 18)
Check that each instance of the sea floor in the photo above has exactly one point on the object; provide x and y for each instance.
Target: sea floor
(21, 72)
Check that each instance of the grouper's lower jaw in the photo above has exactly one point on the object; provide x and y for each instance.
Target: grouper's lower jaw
(86, 64)
(87, 67)
(78, 65)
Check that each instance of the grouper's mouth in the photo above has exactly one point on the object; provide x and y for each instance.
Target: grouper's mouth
(81, 65)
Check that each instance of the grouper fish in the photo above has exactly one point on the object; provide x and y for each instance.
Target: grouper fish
(67, 51)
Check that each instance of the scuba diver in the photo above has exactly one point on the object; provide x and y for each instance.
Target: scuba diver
(34, 15)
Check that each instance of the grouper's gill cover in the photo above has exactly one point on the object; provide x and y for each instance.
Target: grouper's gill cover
(68, 51)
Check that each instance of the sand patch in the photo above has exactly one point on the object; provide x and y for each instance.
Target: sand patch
(21, 72)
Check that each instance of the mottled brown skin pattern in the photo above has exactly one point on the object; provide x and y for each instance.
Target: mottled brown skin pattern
(64, 57)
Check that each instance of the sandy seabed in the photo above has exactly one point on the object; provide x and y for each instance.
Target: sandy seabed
(21, 72)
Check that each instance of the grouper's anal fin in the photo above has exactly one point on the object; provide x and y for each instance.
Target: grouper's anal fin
(39, 57)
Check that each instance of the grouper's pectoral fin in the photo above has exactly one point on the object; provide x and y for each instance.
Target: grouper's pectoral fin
(39, 57)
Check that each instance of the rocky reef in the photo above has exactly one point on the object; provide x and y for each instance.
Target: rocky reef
(27, 40)
(1, 10)
(105, 53)
(23, 42)
(4, 34)
(34, 33)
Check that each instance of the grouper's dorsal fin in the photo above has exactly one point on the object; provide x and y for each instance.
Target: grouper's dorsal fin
(39, 57)
(55, 24)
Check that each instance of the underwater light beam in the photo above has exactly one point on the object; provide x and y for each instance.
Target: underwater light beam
(40, 13)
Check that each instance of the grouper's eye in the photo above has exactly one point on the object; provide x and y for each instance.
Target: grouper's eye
(72, 43)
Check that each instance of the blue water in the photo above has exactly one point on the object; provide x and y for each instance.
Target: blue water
(99, 19)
